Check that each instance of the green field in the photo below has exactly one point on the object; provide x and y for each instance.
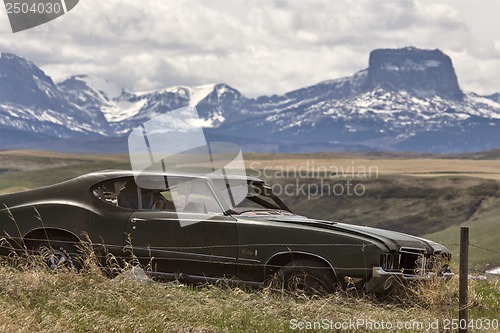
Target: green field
(484, 226)
(21, 170)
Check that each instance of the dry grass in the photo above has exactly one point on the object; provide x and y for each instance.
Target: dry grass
(488, 169)
(33, 299)
(26, 160)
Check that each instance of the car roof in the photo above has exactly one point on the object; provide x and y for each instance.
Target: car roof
(116, 173)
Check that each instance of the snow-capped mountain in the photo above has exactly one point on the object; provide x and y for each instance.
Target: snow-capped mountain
(125, 110)
(407, 99)
(423, 73)
(30, 102)
(494, 97)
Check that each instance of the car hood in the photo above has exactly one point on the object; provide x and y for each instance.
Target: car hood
(393, 240)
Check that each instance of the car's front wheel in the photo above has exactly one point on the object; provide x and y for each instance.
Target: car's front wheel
(306, 276)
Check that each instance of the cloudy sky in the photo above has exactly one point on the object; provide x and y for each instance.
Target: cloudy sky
(256, 46)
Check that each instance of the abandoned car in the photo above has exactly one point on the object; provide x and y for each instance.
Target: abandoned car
(189, 228)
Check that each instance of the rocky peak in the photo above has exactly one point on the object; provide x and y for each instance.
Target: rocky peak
(97, 85)
(424, 73)
(24, 83)
(495, 97)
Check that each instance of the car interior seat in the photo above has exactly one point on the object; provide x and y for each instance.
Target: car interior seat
(128, 196)
(195, 196)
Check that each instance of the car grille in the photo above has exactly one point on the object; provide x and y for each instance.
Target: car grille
(409, 261)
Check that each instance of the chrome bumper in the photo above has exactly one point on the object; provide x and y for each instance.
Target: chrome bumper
(382, 281)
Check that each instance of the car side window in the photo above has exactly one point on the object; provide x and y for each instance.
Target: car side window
(125, 193)
(106, 192)
(193, 196)
(181, 195)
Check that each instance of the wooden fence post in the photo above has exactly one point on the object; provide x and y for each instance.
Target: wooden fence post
(463, 293)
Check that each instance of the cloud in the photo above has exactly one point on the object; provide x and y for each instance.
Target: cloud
(259, 47)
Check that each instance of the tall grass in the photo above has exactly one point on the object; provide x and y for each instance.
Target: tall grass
(35, 299)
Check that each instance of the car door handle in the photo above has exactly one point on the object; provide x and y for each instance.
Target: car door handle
(135, 220)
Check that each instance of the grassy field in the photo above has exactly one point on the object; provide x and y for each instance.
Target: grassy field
(353, 165)
(33, 299)
(21, 170)
(484, 252)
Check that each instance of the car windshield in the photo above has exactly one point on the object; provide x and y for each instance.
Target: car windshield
(258, 199)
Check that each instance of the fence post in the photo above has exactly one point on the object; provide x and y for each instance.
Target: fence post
(463, 293)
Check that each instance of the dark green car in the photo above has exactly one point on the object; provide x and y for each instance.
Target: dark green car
(181, 227)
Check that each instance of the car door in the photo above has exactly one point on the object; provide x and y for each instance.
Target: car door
(189, 240)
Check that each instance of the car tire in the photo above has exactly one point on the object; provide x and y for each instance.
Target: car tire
(307, 276)
(58, 254)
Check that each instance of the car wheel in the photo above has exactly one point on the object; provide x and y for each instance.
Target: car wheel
(57, 255)
(307, 276)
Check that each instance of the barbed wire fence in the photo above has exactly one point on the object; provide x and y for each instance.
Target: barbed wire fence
(19, 243)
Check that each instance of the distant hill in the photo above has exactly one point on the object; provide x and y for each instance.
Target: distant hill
(483, 235)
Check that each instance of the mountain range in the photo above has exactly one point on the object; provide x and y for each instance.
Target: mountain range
(407, 99)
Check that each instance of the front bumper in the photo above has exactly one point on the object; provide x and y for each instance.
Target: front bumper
(382, 281)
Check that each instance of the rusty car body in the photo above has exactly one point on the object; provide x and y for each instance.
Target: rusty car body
(252, 242)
